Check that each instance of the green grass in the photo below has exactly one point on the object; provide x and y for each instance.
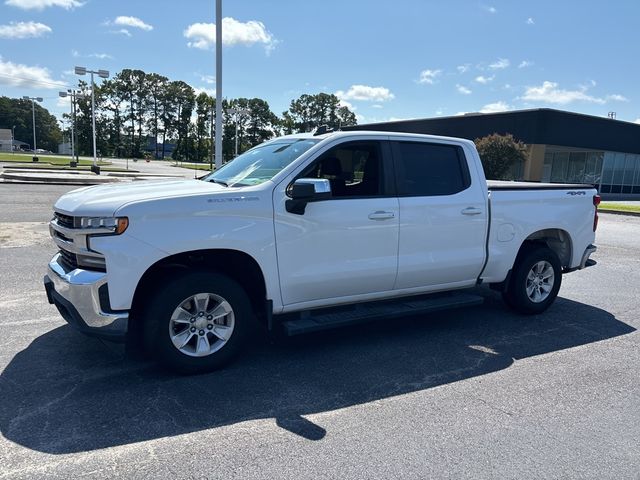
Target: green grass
(44, 159)
(66, 168)
(197, 166)
(618, 207)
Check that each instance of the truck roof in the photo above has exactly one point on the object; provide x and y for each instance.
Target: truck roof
(371, 133)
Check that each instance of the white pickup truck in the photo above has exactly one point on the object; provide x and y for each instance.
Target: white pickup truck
(307, 232)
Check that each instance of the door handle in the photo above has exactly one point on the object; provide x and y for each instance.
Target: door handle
(471, 211)
(381, 215)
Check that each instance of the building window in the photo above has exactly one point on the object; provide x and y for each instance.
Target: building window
(559, 167)
(574, 166)
(621, 173)
(577, 164)
(546, 168)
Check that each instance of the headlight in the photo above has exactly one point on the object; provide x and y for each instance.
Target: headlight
(117, 225)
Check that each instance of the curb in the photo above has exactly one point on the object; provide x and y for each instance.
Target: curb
(21, 178)
(620, 212)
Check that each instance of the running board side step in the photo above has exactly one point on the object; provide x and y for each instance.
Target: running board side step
(316, 320)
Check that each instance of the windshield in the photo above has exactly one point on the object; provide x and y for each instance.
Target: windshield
(261, 163)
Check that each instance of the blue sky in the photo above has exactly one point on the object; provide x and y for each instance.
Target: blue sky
(388, 60)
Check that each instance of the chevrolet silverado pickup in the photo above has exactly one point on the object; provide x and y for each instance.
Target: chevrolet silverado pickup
(306, 232)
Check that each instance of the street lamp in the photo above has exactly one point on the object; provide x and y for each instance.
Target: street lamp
(73, 96)
(33, 111)
(101, 74)
(218, 84)
(236, 112)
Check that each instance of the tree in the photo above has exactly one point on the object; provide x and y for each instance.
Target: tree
(156, 85)
(116, 94)
(311, 111)
(17, 112)
(205, 105)
(256, 124)
(184, 97)
(499, 153)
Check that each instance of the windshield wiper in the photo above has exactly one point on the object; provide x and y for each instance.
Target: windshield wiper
(220, 182)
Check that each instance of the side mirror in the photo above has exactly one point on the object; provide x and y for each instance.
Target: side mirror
(305, 190)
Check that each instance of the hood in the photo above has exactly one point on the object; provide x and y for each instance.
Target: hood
(104, 200)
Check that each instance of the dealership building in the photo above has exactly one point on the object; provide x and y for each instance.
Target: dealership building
(561, 146)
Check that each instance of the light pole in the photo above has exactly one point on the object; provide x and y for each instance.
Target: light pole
(13, 139)
(235, 112)
(102, 74)
(73, 95)
(33, 111)
(218, 151)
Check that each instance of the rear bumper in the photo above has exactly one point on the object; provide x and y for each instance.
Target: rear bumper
(81, 297)
(585, 261)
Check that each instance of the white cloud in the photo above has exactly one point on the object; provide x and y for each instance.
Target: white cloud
(616, 98)
(63, 102)
(429, 76)
(549, 92)
(349, 105)
(210, 79)
(42, 4)
(525, 64)
(367, 93)
(484, 80)
(463, 68)
(530, 21)
(490, 8)
(133, 22)
(637, 120)
(203, 35)
(101, 56)
(500, 64)
(495, 107)
(20, 30)
(122, 31)
(463, 90)
(209, 91)
(19, 75)
(377, 105)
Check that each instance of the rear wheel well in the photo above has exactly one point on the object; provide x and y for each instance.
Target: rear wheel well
(557, 240)
(237, 265)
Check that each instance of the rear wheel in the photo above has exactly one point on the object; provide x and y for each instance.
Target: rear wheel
(535, 281)
(197, 322)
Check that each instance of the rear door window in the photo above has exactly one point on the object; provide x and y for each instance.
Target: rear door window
(429, 169)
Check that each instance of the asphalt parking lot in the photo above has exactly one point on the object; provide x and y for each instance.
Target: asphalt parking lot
(472, 393)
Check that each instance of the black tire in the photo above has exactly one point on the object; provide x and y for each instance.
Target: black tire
(158, 326)
(517, 296)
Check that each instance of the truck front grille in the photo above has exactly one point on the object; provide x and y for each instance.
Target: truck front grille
(66, 221)
(69, 260)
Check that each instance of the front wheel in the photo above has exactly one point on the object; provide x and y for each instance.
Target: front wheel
(535, 281)
(197, 322)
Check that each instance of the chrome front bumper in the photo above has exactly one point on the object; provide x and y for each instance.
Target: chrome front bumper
(82, 299)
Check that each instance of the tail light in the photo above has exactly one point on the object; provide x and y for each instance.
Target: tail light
(596, 202)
